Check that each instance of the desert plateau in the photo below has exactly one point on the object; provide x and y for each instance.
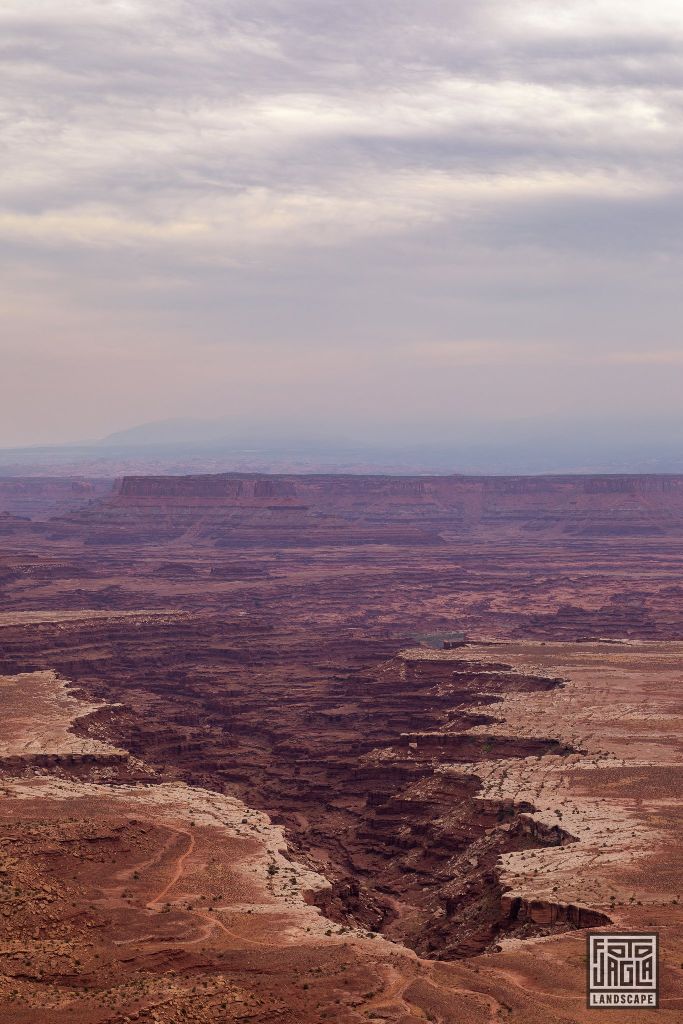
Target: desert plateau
(346, 748)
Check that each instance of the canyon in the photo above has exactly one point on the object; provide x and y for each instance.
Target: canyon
(238, 784)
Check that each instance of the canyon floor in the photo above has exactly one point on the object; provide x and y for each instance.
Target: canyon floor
(237, 785)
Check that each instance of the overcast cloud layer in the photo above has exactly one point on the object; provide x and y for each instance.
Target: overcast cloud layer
(386, 217)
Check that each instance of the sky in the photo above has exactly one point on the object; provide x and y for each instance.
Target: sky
(379, 219)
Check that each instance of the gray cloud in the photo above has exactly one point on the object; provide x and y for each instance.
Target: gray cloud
(350, 188)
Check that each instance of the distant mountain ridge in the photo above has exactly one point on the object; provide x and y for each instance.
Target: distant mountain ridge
(226, 431)
(172, 431)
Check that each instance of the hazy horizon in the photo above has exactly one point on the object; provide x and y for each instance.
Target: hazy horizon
(206, 446)
(369, 220)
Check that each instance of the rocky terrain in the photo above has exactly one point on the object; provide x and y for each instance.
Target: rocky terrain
(237, 787)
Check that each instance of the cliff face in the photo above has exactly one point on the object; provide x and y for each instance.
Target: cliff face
(583, 505)
(445, 490)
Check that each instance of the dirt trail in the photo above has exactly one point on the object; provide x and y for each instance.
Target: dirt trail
(179, 867)
(233, 935)
(175, 878)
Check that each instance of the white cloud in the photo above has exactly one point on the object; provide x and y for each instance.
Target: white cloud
(593, 18)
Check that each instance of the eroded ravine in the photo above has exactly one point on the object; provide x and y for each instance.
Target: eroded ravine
(372, 772)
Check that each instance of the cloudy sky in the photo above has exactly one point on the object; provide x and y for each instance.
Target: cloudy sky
(379, 217)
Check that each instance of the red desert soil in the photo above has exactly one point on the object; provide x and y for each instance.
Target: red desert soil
(236, 788)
